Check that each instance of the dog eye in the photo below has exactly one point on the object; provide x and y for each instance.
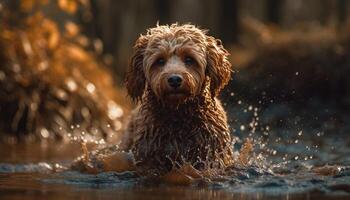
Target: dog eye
(159, 62)
(189, 61)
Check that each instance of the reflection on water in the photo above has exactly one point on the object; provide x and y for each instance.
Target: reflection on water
(287, 163)
(327, 174)
(71, 185)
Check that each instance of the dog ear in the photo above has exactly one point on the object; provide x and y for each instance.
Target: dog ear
(218, 67)
(135, 79)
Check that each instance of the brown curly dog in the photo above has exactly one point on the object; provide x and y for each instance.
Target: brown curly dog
(175, 75)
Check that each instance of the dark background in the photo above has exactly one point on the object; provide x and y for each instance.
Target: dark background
(119, 23)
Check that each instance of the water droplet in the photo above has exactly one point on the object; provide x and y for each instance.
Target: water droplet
(101, 141)
(242, 127)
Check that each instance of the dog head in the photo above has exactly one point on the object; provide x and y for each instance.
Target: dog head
(177, 62)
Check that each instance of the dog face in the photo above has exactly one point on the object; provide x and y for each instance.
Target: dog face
(174, 67)
(175, 62)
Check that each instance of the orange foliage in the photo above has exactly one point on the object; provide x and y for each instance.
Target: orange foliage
(51, 81)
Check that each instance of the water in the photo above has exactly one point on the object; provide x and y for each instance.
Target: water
(288, 162)
(30, 172)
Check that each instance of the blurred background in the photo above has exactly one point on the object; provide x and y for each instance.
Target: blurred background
(63, 62)
(118, 23)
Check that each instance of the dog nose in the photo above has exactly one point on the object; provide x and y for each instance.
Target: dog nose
(175, 80)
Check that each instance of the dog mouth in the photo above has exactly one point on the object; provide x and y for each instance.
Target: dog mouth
(176, 96)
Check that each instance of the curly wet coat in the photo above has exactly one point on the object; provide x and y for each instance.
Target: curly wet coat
(175, 75)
